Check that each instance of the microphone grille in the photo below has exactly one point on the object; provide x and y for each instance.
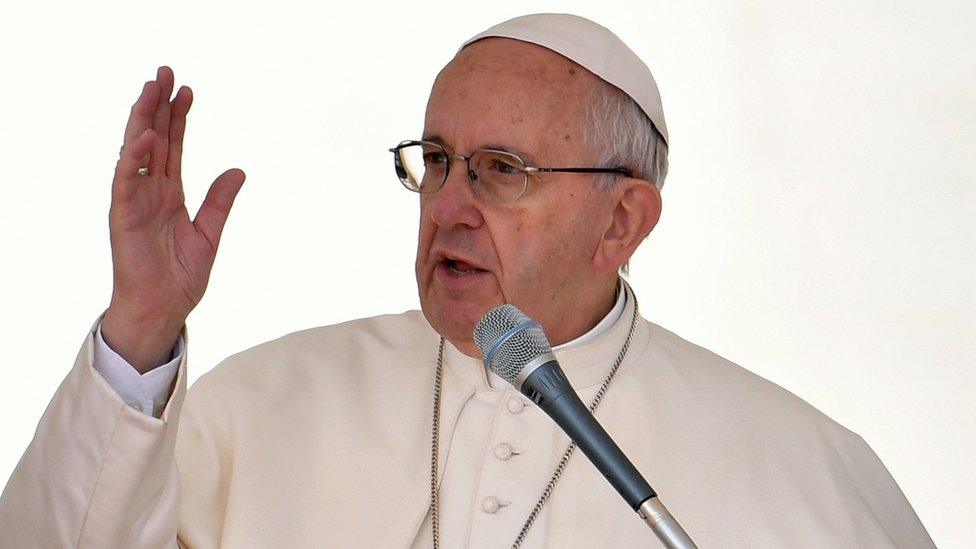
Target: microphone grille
(509, 340)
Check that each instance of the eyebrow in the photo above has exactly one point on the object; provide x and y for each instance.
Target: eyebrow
(436, 139)
(498, 147)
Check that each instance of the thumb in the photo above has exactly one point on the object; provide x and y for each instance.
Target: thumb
(213, 212)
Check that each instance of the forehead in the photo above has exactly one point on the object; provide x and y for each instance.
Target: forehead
(504, 92)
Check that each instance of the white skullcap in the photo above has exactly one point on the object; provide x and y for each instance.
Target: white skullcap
(594, 48)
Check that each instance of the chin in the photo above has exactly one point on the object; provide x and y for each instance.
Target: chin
(455, 314)
(458, 331)
(455, 321)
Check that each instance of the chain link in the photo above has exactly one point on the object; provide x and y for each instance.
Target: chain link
(563, 461)
(435, 436)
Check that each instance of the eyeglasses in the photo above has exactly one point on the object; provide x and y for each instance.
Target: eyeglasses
(495, 176)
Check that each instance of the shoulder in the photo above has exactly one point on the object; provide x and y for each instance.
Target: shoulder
(756, 436)
(383, 332)
(725, 387)
(334, 356)
(740, 409)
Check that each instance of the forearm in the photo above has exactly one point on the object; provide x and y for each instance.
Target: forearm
(98, 473)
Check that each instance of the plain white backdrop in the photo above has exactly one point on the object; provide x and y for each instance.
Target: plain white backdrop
(818, 217)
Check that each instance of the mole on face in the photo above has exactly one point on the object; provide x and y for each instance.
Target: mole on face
(572, 71)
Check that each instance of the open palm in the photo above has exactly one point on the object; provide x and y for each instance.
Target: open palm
(161, 259)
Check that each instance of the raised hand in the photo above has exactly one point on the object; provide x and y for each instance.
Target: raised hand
(161, 259)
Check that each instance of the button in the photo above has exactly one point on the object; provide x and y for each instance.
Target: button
(503, 452)
(515, 405)
(490, 505)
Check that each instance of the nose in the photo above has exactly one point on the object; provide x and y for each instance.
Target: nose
(455, 203)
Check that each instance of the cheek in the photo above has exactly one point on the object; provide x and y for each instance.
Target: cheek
(426, 226)
(425, 232)
(537, 254)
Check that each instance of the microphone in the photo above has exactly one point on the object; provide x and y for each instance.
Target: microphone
(515, 347)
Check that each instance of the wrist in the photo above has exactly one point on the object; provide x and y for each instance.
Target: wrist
(145, 343)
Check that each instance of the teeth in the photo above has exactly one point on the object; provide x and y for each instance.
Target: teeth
(453, 265)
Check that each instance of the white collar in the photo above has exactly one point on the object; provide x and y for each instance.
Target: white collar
(497, 382)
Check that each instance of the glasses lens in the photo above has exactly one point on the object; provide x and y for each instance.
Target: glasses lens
(420, 167)
(500, 176)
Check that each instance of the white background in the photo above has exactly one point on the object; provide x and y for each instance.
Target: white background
(817, 227)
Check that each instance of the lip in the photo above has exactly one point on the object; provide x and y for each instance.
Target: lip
(450, 278)
(441, 255)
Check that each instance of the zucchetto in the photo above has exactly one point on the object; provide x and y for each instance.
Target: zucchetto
(594, 48)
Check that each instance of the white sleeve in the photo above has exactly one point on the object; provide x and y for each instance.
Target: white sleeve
(98, 473)
(147, 392)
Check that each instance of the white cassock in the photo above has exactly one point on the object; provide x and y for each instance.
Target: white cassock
(321, 438)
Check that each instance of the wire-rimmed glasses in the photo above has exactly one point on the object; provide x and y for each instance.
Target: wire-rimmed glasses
(495, 176)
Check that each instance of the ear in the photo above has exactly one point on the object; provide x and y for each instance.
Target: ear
(634, 211)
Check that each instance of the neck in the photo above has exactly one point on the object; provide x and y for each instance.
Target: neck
(565, 325)
(604, 324)
(578, 317)
(572, 324)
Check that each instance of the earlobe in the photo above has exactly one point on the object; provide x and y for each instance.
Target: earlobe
(635, 212)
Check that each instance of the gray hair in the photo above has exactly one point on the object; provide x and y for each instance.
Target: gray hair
(621, 135)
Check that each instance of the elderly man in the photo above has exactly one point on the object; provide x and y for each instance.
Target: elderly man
(539, 172)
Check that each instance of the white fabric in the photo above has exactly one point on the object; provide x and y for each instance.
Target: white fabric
(292, 442)
(505, 433)
(146, 392)
(149, 392)
(593, 47)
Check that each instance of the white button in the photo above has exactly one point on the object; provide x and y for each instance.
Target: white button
(490, 505)
(503, 452)
(515, 405)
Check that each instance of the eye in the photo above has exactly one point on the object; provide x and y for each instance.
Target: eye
(504, 167)
(434, 157)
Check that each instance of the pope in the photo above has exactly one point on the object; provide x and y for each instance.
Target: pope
(538, 173)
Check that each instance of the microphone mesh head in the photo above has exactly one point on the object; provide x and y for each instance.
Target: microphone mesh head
(518, 350)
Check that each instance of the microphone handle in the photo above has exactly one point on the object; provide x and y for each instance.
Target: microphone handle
(548, 387)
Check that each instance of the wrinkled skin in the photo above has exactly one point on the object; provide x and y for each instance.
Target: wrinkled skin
(555, 252)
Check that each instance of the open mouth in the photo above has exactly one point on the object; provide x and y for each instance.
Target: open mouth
(460, 267)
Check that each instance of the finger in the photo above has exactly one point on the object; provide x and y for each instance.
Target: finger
(177, 126)
(132, 158)
(160, 124)
(141, 114)
(213, 212)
